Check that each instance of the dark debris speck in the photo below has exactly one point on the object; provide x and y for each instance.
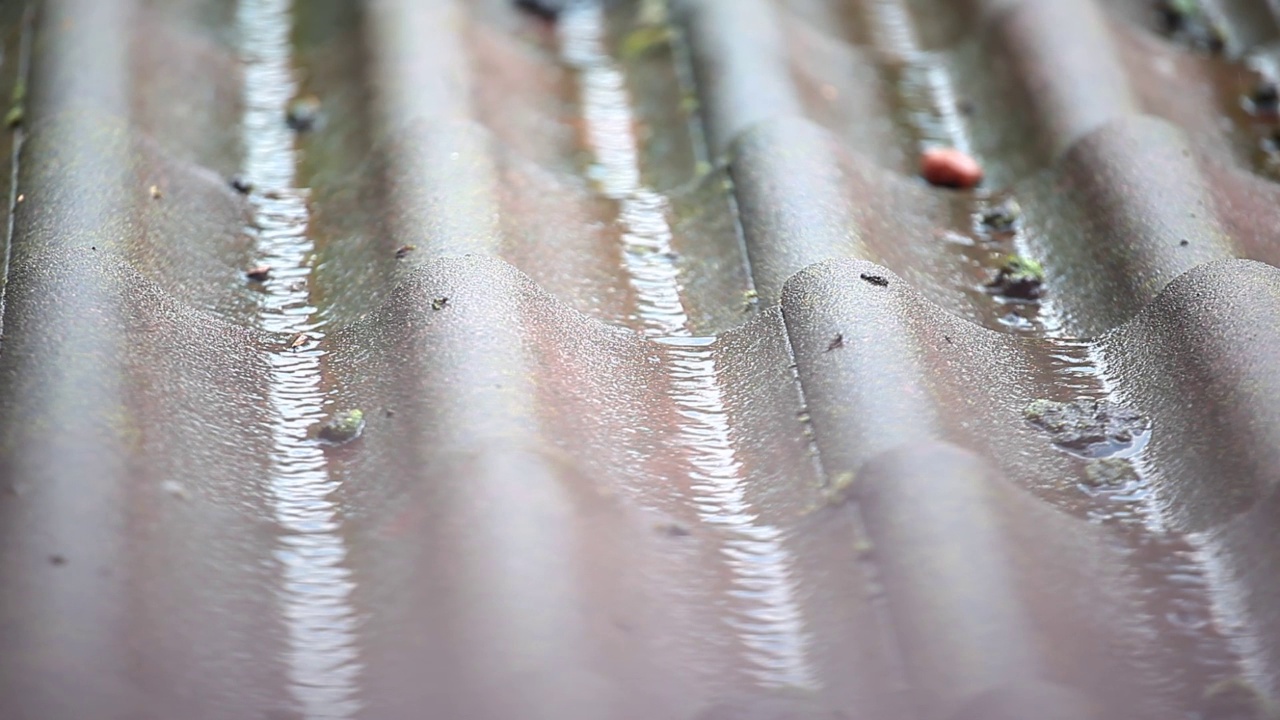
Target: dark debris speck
(877, 280)
(1265, 97)
(674, 530)
(439, 303)
(403, 251)
(303, 114)
(56, 559)
(241, 185)
(836, 343)
(545, 9)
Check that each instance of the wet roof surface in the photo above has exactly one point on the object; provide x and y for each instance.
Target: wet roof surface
(431, 358)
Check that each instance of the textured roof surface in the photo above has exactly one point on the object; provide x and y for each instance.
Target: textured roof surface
(680, 394)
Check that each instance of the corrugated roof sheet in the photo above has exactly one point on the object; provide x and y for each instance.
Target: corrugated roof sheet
(679, 393)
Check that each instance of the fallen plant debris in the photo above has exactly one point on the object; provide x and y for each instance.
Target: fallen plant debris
(439, 303)
(403, 251)
(155, 192)
(877, 280)
(840, 489)
(259, 273)
(836, 343)
(1019, 277)
(1088, 426)
(949, 167)
(299, 340)
(343, 427)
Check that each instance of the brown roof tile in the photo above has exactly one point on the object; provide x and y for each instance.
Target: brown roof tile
(680, 395)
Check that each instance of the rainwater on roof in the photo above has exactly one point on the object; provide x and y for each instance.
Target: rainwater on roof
(484, 359)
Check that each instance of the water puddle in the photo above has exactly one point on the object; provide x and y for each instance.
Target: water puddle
(316, 586)
(766, 619)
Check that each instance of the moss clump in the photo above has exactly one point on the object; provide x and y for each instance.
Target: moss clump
(1087, 424)
(343, 427)
(1019, 277)
(643, 40)
(1110, 472)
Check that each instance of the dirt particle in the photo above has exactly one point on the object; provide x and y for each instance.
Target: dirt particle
(14, 117)
(750, 299)
(877, 280)
(836, 343)
(241, 184)
(1019, 277)
(546, 9)
(1236, 699)
(155, 192)
(1112, 472)
(303, 114)
(439, 303)
(1003, 217)
(965, 107)
(1183, 243)
(949, 167)
(343, 427)
(299, 340)
(403, 251)
(259, 273)
(57, 559)
(21, 198)
(863, 548)
(389, 413)
(673, 530)
(1088, 426)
